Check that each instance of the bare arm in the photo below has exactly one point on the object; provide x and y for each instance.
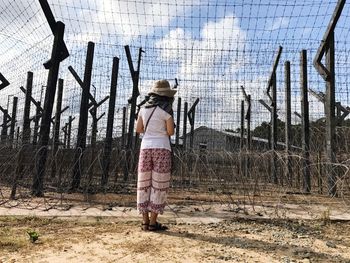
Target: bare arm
(170, 126)
(139, 125)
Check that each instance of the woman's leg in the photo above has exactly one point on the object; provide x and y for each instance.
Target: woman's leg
(145, 219)
(153, 218)
(144, 183)
(161, 159)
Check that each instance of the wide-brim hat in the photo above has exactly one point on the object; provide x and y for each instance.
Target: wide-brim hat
(162, 88)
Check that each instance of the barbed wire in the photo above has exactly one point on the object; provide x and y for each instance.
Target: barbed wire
(213, 48)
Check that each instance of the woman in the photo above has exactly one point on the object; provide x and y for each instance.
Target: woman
(155, 121)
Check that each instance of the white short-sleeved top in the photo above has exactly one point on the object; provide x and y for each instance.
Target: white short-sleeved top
(156, 135)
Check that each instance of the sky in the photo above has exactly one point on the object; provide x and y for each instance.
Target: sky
(212, 47)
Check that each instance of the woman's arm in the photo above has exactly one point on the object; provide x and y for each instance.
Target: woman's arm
(170, 126)
(139, 125)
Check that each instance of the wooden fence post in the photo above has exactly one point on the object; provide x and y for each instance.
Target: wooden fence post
(328, 74)
(108, 144)
(288, 162)
(83, 117)
(38, 178)
(305, 123)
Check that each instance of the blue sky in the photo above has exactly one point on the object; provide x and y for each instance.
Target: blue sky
(212, 47)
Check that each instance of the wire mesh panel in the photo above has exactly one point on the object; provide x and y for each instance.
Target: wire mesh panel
(213, 49)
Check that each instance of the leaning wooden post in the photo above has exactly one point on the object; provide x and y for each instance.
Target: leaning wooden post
(83, 117)
(108, 144)
(26, 120)
(272, 86)
(288, 122)
(130, 146)
(305, 123)
(59, 53)
(328, 74)
(38, 179)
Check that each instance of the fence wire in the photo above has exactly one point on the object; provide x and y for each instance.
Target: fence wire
(212, 48)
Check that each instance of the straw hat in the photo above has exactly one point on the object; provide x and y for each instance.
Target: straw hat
(162, 88)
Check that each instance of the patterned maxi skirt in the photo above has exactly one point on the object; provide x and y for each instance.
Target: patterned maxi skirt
(153, 180)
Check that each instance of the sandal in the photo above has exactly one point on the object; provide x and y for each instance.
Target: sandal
(157, 227)
(144, 227)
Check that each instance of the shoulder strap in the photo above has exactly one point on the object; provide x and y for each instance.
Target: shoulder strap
(149, 118)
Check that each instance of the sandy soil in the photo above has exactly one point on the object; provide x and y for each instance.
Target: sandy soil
(116, 239)
(214, 227)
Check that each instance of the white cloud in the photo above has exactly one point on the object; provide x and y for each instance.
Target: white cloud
(126, 19)
(137, 18)
(208, 64)
(277, 23)
(217, 41)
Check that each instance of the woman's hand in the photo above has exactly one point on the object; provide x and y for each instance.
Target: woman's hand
(139, 125)
(170, 126)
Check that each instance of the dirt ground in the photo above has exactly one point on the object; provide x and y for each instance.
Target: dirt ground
(115, 239)
(202, 228)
